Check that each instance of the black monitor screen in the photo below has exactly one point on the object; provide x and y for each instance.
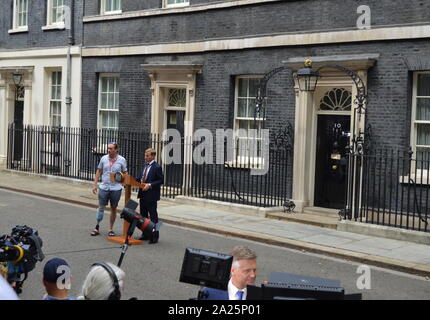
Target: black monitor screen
(206, 268)
(287, 286)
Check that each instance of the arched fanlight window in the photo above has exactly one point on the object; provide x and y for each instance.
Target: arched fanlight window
(336, 99)
(177, 97)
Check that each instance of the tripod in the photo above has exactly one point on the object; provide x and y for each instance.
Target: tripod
(124, 247)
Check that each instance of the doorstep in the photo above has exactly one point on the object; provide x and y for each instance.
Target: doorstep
(226, 206)
(313, 219)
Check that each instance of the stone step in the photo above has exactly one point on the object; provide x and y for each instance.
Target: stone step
(306, 218)
(324, 212)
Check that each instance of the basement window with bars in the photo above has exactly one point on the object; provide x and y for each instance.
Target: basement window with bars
(420, 133)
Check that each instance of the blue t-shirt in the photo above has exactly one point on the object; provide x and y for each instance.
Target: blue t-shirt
(120, 165)
(53, 298)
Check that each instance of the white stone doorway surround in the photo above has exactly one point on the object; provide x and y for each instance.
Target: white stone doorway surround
(7, 100)
(306, 115)
(173, 76)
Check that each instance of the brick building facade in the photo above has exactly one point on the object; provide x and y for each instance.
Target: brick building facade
(213, 48)
(150, 65)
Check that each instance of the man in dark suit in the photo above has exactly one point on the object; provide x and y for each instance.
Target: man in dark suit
(243, 272)
(152, 178)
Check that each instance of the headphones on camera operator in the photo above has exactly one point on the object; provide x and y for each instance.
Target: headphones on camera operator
(116, 294)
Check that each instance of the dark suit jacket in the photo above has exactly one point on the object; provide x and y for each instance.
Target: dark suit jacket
(155, 178)
(215, 294)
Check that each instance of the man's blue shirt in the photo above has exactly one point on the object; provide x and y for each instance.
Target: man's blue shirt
(120, 165)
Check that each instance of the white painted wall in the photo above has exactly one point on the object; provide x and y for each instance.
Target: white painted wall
(36, 101)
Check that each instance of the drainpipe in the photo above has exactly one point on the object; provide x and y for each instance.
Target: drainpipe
(71, 42)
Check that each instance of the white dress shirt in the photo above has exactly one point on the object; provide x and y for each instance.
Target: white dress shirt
(147, 171)
(150, 165)
(232, 292)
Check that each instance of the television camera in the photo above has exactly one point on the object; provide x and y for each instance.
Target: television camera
(19, 253)
(147, 227)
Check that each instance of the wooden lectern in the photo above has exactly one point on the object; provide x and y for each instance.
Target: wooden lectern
(127, 181)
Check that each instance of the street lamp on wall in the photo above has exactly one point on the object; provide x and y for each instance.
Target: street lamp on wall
(17, 78)
(307, 77)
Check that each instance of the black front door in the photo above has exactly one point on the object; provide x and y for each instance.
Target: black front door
(331, 164)
(18, 120)
(174, 172)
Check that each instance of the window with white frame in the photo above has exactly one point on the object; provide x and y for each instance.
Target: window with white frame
(55, 14)
(420, 136)
(247, 124)
(108, 102)
(20, 15)
(176, 3)
(110, 6)
(55, 99)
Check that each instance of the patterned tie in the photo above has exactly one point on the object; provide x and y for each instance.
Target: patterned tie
(240, 295)
(145, 172)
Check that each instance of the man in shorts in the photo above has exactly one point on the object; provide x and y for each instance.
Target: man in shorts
(108, 191)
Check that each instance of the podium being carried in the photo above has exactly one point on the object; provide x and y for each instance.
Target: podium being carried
(128, 181)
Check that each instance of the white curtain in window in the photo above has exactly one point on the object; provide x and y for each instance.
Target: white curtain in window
(176, 1)
(57, 13)
(423, 134)
(21, 8)
(112, 5)
(248, 141)
(109, 103)
(55, 101)
(423, 109)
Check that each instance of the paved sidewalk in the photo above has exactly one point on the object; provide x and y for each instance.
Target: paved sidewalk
(393, 254)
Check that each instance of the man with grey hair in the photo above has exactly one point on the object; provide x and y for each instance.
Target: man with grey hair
(105, 281)
(243, 272)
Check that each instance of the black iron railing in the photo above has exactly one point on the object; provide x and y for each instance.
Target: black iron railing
(76, 152)
(389, 187)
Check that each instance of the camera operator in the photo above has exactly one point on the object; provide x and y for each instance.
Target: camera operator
(56, 279)
(19, 253)
(6, 291)
(105, 281)
(243, 272)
